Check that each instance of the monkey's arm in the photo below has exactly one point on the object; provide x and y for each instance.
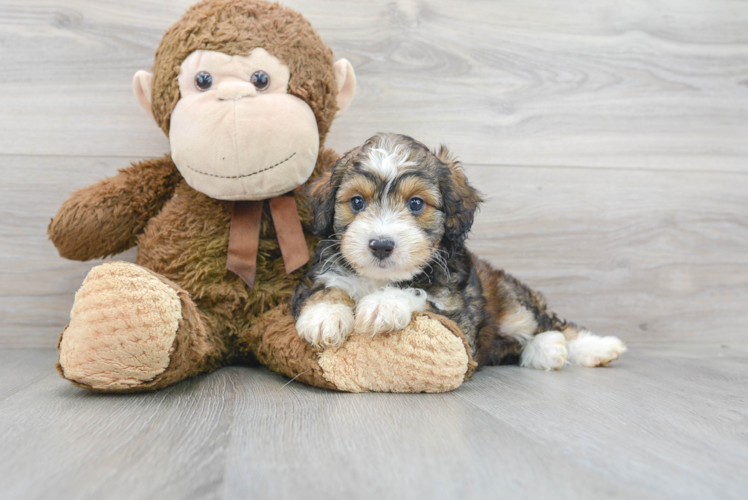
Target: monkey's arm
(106, 218)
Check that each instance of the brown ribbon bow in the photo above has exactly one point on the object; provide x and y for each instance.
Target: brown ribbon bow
(244, 236)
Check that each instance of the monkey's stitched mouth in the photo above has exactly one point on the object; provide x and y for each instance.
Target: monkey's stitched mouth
(245, 175)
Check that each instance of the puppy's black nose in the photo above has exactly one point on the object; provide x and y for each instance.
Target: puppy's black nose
(381, 248)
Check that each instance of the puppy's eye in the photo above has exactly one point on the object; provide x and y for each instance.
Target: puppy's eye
(416, 205)
(260, 80)
(358, 203)
(203, 81)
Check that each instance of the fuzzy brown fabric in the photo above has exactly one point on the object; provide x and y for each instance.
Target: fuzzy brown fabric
(236, 27)
(424, 357)
(107, 217)
(273, 339)
(185, 245)
(183, 235)
(452, 327)
(191, 353)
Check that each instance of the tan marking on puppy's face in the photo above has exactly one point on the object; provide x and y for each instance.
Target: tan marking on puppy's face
(418, 186)
(352, 186)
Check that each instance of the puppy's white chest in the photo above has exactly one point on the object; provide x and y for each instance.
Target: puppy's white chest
(357, 287)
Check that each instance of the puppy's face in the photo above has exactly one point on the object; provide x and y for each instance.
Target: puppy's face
(388, 212)
(390, 203)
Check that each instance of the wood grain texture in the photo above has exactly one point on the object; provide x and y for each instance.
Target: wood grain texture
(646, 255)
(37, 286)
(609, 139)
(664, 422)
(534, 82)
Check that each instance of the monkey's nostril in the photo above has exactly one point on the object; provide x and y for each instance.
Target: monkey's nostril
(381, 249)
(235, 90)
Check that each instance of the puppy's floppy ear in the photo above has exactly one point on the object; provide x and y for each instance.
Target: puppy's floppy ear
(322, 194)
(459, 199)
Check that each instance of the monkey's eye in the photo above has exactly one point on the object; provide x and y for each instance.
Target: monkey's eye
(358, 203)
(416, 205)
(203, 81)
(260, 80)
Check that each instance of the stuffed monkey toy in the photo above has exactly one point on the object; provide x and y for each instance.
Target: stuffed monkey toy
(246, 92)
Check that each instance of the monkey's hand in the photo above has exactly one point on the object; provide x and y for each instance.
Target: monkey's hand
(106, 218)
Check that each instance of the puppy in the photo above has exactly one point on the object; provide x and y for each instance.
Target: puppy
(394, 217)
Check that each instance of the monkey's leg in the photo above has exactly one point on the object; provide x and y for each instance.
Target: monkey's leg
(430, 355)
(133, 330)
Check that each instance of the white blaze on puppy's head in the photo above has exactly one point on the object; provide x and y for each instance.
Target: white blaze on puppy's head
(387, 159)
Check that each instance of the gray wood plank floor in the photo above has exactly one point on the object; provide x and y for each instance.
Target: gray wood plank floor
(665, 422)
(610, 140)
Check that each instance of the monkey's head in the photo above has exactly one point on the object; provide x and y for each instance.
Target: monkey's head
(246, 91)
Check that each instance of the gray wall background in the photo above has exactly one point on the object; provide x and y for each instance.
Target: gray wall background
(610, 139)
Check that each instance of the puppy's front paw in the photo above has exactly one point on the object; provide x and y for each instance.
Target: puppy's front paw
(388, 310)
(324, 324)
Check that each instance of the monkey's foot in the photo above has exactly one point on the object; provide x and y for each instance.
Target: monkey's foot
(429, 355)
(130, 330)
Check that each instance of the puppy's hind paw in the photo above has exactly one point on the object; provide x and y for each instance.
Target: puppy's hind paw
(325, 325)
(591, 350)
(545, 351)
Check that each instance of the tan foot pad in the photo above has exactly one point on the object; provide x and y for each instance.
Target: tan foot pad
(122, 328)
(424, 357)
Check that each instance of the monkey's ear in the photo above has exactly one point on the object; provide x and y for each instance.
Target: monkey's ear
(142, 83)
(346, 80)
(460, 200)
(322, 194)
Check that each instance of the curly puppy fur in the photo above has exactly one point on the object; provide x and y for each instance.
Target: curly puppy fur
(356, 282)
